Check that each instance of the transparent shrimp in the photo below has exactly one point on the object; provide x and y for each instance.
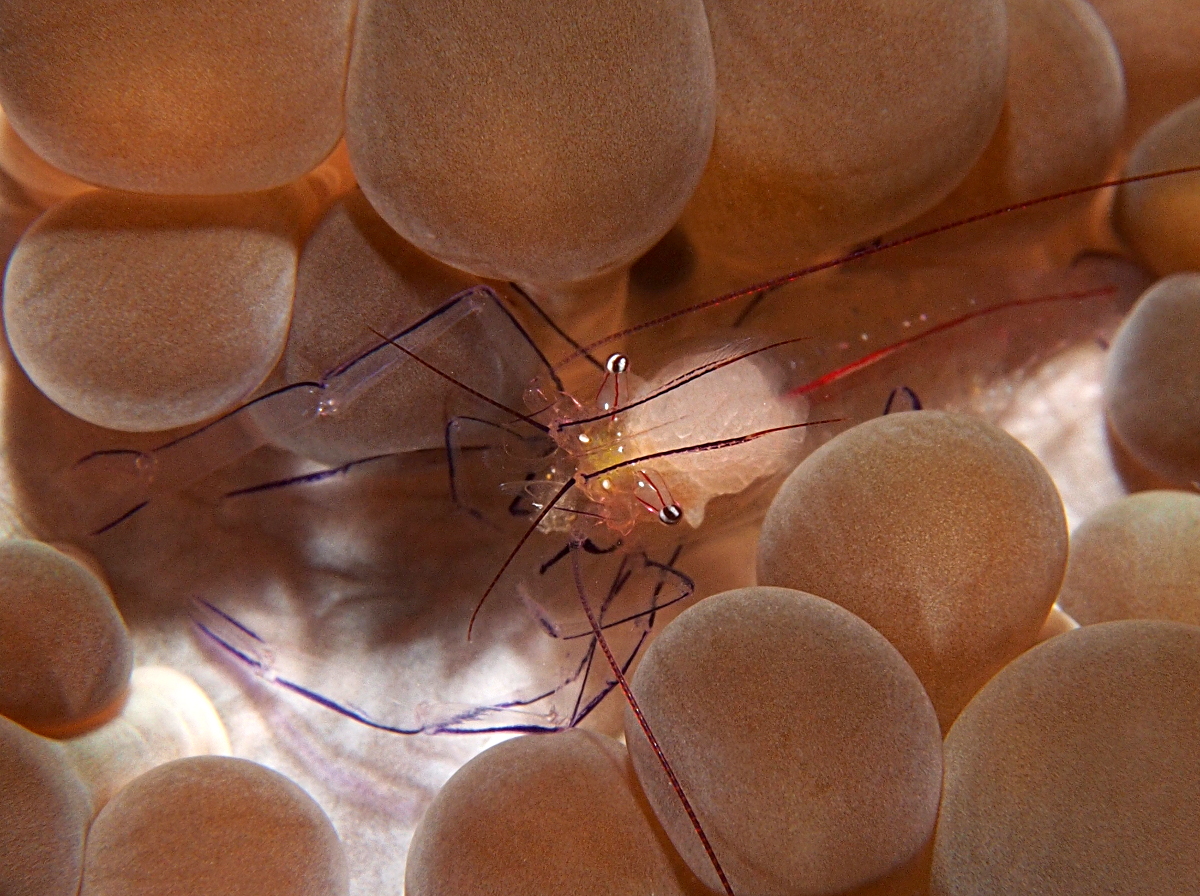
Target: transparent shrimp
(552, 685)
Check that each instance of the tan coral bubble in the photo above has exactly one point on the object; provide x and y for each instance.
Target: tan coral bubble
(1152, 384)
(838, 121)
(215, 97)
(539, 143)
(549, 814)
(1160, 219)
(1137, 559)
(805, 744)
(66, 654)
(1075, 770)
(356, 278)
(213, 826)
(1157, 41)
(166, 717)
(44, 813)
(147, 313)
(1064, 107)
(941, 531)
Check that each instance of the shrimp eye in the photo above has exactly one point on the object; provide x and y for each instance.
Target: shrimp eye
(616, 363)
(671, 514)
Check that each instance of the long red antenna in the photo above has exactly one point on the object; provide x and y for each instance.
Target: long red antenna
(642, 723)
(875, 249)
(715, 445)
(537, 521)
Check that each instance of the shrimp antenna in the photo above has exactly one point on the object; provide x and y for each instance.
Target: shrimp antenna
(537, 521)
(122, 518)
(708, 446)
(876, 248)
(623, 682)
(484, 398)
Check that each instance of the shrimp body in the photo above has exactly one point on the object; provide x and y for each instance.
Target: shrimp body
(632, 459)
(592, 444)
(724, 402)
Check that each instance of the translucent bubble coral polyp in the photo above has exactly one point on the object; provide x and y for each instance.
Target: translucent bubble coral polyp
(213, 826)
(543, 143)
(1063, 109)
(1160, 220)
(1064, 106)
(1138, 558)
(166, 717)
(1157, 41)
(840, 120)
(806, 745)
(40, 180)
(940, 530)
(147, 313)
(1153, 378)
(1075, 770)
(44, 814)
(549, 815)
(213, 97)
(66, 655)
